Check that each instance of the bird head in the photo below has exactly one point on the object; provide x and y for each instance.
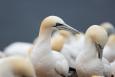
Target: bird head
(108, 27)
(98, 36)
(54, 22)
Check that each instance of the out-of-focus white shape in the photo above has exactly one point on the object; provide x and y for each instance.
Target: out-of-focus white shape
(18, 48)
(16, 66)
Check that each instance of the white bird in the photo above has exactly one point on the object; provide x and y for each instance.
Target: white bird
(108, 27)
(89, 62)
(46, 62)
(58, 42)
(68, 44)
(18, 48)
(16, 66)
(109, 49)
(113, 68)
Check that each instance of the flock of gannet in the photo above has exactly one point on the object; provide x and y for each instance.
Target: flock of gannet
(62, 51)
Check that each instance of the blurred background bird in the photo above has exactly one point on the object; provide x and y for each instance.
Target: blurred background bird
(108, 27)
(18, 48)
(16, 66)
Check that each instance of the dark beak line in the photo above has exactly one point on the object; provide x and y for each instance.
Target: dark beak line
(100, 50)
(64, 27)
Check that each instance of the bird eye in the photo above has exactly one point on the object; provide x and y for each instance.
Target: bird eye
(58, 24)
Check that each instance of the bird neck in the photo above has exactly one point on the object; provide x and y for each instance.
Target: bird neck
(43, 45)
(58, 42)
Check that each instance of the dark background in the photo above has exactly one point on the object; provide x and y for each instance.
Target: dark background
(20, 19)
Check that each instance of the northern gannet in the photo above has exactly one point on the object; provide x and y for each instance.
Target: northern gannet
(16, 66)
(108, 27)
(18, 48)
(89, 62)
(63, 41)
(46, 63)
(68, 44)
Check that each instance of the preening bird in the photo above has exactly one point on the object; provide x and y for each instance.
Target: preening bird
(16, 66)
(46, 62)
(89, 62)
(109, 49)
(18, 48)
(108, 27)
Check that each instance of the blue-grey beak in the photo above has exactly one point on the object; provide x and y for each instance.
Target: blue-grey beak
(67, 27)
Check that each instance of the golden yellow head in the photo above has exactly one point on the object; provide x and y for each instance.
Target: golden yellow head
(98, 34)
(51, 21)
(65, 33)
(108, 27)
(54, 22)
(59, 39)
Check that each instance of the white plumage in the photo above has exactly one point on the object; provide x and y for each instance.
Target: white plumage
(62, 54)
(109, 49)
(46, 62)
(18, 48)
(16, 66)
(88, 62)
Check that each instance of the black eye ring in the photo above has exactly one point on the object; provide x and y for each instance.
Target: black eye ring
(58, 24)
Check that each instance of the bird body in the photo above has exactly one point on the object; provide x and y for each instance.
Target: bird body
(47, 63)
(89, 62)
(16, 66)
(88, 65)
(72, 48)
(109, 49)
(107, 67)
(18, 48)
(113, 68)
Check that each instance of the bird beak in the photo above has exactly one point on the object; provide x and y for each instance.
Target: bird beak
(68, 28)
(100, 50)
